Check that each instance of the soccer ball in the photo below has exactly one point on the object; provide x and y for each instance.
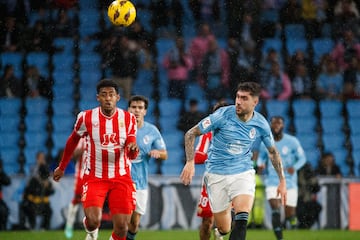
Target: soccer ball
(121, 13)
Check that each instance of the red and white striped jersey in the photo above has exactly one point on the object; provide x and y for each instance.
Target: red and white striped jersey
(105, 155)
(202, 147)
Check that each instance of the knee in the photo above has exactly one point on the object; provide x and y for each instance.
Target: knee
(120, 228)
(93, 222)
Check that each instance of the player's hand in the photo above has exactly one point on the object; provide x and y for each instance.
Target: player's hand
(154, 154)
(133, 147)
(187, 173)
(281, 191)
(58, 173)
(260, 168)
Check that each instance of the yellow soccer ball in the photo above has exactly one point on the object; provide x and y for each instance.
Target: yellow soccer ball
(122, 13)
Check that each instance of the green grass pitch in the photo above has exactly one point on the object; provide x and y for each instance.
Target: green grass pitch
(188, 235)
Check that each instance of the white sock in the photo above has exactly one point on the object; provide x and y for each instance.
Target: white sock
(72, 210)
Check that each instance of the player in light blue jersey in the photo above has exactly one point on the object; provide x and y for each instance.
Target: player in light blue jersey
(293, 158)
(151, 145)
(230, 174)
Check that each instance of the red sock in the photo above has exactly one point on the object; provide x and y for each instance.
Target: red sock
(116, 237)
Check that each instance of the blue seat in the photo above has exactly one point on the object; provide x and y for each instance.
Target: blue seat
(355, 142)
(63, 107)
(9, 124)
(40, 60)
(199, 169)
(170, 107)
(354, 126)
(277, 108)
(163, 46)
(65, 43)
(356, 159)
(35, 139)
(9, 139)
(64, 93)
(269, 15)
(305, 125)
(36, 106)
(173, 139)
(63, 123)
(10, 158)
(321, 46)
(168, 124)
(313, 157)
(10, 106)
(63, 62)
(90, 62)
(308, 141)
(333, 142)
(293, 45)
(332, 125)
(331, 108)
(86, 104)
(304, 108)
(194, 91)
(15, 59)
(272, 43)
(36, 123)
(174, 164)
(88, 46)
(341, 160)
(353, 108)
(59, 140)
(294, 31)
(88, 93)
(62, 78)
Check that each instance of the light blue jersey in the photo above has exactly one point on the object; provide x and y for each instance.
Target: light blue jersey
(148, 138)
(292, 155)
(230, 150)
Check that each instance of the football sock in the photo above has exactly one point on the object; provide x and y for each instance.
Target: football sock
(72, 210)
(276, 223)
(130, 235)
(239, 230)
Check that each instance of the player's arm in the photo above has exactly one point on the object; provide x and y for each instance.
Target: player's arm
(159, 154)
(189, 168)
(70, 146)
(277, 163)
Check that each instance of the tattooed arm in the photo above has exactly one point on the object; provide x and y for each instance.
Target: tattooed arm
(189, 169)
(276, 162)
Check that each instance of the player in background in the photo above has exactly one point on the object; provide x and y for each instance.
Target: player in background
(293, 158)
(151, 145)
(110, 135)
(78, 184)
(204, 209)
(230, 174)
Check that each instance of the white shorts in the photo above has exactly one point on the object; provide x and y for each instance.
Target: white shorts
(141, 201)
(291, 196)
(223, 188)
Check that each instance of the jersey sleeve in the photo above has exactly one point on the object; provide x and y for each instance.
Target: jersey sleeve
(299, 154)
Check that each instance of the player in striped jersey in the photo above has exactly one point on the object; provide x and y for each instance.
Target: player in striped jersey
(230, 174)
(151, 145)
(110, 135)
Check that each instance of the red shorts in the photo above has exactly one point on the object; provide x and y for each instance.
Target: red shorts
(204, 209)
(120, 193)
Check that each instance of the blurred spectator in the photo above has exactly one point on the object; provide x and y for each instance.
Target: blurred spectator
(329, 82)
(327, 166)
(19, 8)
(352, 80)
(40, 160)
(35, 84)
(308, 208)
(299, 57)
(37, 38)
(159, 13)
(272, 56)
(310, 19)
(249, 32)
(10, 35)
(64, 24)
(123, 61)
(190, 117)
(276, 84)
(346, 15)
(10, 85)
(195, 6)
(176, 16)
(210, 11)
(290, 13)
(301, 82)
(345, 49)
(4, 210)
(136, 32)
(198, 48)
(36, 201)
(178, 64)
(215, 71)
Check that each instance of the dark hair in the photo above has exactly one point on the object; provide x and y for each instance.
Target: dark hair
(277, 117)
(252, 87)
(219, 105)
(139, 98)
(107, 83)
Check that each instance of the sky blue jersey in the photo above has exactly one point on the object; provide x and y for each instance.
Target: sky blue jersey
(230, 150)
(292, 155)
(148, 137)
